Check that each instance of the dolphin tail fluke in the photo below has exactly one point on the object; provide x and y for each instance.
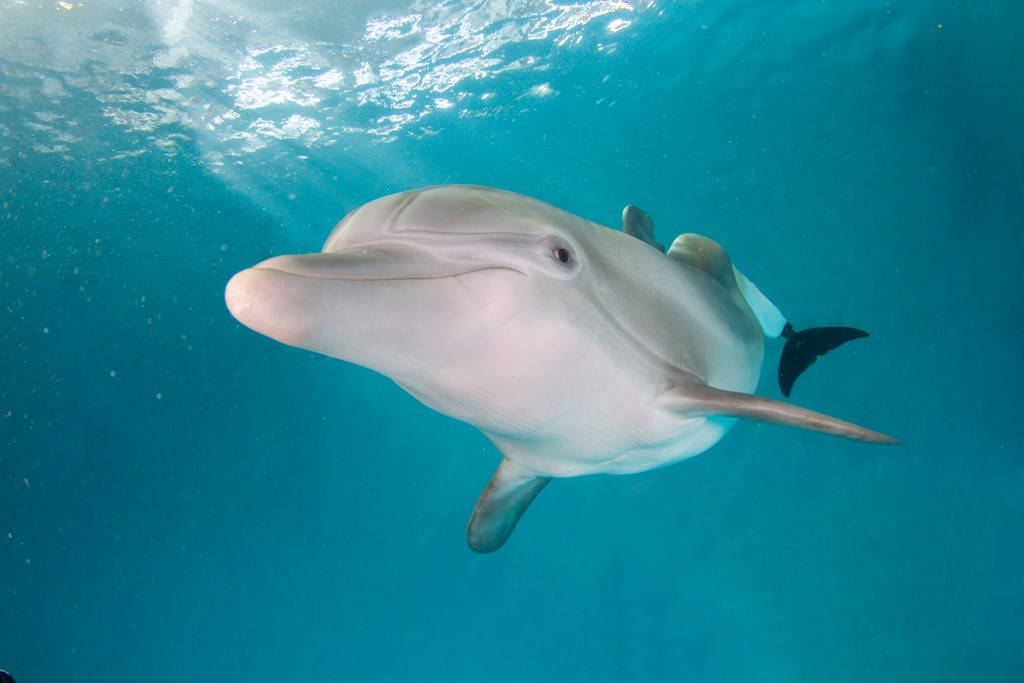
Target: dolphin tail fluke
(508, 494)
(803, 348)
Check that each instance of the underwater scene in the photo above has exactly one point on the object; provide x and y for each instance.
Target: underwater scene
(273, 480)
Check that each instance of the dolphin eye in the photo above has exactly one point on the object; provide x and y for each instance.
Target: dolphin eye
(561, 254)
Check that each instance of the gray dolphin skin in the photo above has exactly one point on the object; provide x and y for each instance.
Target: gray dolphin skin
(576, 349)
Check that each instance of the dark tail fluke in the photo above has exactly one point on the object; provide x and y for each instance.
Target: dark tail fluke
(803, 348)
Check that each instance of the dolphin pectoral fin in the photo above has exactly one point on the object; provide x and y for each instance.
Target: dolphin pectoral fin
(696, 399)
(508, 494)
(803, 348)
(636, 223)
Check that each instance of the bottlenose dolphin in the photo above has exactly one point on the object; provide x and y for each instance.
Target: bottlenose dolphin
(575, 348)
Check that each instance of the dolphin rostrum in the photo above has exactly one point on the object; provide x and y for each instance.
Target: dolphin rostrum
(574, 348)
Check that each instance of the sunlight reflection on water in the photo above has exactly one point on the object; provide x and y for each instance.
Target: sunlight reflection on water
(240, 82)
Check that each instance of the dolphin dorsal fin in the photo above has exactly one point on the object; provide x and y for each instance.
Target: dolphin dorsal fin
(636, 223)
(508, 494)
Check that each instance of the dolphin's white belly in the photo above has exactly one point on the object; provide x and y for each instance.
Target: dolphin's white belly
(562, 405)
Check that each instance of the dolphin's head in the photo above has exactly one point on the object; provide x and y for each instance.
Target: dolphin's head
(445, 289)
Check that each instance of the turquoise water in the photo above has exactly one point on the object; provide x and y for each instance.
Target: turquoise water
(182, 499)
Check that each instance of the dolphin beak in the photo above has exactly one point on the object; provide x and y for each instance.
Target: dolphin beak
(345, 303)
(275, 296)
(371, 263)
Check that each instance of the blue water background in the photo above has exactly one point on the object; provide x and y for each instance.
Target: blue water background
(182, 499)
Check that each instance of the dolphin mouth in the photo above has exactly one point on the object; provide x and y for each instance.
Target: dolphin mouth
(285, 297)
(391, 262)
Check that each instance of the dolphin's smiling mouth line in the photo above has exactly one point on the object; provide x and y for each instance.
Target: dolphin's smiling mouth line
(376, 264)
(410, 278)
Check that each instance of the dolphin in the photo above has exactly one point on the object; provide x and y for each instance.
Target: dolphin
(576, 349)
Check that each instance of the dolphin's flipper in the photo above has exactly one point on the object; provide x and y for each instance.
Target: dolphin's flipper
(510, 491)
(636, 223)
(803, 348)
(693, 398)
